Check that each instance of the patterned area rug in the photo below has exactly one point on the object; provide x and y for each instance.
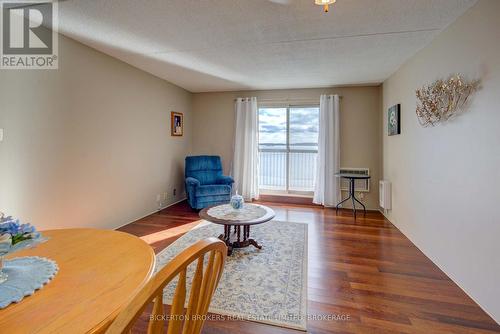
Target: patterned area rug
(267, 285)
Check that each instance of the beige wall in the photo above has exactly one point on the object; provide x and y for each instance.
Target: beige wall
(213, 125)
(446, 178)
(88, 144)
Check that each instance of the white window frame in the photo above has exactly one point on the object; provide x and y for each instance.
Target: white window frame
(287, 150)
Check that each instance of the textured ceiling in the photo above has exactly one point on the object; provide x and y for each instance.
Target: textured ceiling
(219, 45)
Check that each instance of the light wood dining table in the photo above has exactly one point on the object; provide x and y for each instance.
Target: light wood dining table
(99, 272)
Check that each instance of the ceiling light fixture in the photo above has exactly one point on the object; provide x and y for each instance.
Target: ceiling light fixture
(324, 3)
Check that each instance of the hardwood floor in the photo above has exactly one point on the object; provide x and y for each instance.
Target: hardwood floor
(365, 272)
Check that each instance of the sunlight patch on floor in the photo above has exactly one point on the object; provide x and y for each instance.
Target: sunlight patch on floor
(169, 232)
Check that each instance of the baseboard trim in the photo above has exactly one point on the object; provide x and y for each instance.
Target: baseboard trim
(153, 212)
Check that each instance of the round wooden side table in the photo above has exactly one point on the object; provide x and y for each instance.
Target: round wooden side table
(237, 239)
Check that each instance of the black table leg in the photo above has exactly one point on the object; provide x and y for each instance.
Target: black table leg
(353, 199)
(345, 200)
(353, 204)
(351, 196)
(337, 207)
(364, 208)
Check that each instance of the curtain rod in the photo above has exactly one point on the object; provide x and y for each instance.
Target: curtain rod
(283, 100)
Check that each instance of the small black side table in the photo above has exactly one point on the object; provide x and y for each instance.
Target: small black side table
(352, 178)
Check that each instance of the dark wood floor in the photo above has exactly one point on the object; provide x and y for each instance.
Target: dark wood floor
(365, 269)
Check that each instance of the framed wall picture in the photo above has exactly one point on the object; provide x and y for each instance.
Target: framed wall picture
(176, 123)
(394, 120)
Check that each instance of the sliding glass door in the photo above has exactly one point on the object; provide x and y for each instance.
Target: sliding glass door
(288, 146)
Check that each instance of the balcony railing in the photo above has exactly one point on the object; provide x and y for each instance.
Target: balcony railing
(287, 171)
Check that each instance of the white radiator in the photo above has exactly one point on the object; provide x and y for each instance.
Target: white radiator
(385, 198)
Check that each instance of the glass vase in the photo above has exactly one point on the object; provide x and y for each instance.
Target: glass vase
(3, 274)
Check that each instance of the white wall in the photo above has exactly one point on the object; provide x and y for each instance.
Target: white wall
(360, 134)
(88, 144)
(446, 179)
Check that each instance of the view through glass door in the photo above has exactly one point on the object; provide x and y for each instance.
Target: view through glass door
(288, 146)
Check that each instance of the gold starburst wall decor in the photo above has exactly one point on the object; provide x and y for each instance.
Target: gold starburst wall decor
(443, 99)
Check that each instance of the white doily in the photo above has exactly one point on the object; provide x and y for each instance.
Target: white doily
(226, 212)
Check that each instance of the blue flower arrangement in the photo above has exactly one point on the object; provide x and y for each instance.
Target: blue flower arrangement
(15, 236)
(12, 233)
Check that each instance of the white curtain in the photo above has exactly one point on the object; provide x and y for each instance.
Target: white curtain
(327, 186)
(246, 152)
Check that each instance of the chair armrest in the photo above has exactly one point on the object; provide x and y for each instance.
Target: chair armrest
(222, 179)
(191, 181)
(191, 185)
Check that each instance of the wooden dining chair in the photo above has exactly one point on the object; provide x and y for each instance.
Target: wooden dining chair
(203, 285)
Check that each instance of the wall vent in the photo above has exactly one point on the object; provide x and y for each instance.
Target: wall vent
(359, 185)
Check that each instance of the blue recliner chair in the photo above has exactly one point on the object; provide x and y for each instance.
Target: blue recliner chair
(205, 184)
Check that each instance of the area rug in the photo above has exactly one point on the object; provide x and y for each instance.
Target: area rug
(267, 285)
